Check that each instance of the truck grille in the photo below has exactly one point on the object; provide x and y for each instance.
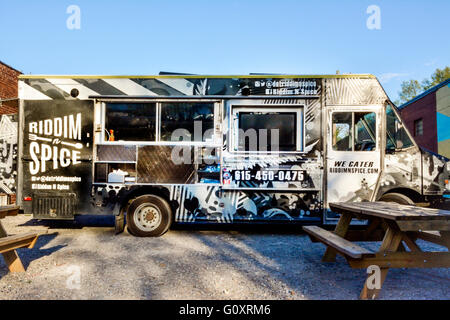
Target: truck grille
(51, 206)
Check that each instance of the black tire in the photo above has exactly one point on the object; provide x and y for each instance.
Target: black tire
(148, 216)
(397, 198)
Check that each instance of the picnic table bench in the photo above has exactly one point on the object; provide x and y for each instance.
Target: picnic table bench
(9, 244)
(395, 226)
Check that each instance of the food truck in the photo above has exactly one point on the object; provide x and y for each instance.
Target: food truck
(179, 148)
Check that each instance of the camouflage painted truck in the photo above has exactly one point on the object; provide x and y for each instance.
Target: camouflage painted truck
(214, 149)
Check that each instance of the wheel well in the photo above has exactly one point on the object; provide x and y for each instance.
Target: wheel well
(412, 194)
(157, 191)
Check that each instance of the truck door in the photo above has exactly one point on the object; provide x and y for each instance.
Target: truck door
(56, 158)
(353, 153)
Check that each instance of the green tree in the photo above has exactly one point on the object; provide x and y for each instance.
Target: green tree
(412, 88)
(437, 77)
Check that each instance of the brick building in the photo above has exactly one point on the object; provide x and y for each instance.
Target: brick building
(9, 106)
(8, 89)
(427, 117)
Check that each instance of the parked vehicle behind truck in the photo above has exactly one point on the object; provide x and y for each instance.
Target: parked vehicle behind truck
(221, 149)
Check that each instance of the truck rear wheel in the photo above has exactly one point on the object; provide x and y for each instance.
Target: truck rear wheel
(149, 216)
(397, 198)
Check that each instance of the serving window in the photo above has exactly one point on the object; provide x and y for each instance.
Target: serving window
(182, 121)
(130, 121)
(268, 129)
(158, 121)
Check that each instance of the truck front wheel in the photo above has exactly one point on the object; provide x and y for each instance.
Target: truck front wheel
(397, 198)
(149, 216)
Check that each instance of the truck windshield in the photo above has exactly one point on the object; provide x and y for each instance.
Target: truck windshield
(396, 135)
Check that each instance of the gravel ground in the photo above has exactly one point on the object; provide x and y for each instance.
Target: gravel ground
(192, 263)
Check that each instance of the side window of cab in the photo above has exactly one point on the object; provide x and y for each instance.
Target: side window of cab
(354, 131)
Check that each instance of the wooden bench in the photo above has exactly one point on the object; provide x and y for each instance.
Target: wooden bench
(25, 240)
(8, 246)
(342, 246)
(8, 211)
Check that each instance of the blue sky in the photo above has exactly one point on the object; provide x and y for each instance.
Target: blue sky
(228, 37)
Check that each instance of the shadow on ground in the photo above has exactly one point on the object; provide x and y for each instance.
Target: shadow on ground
(219, 262)
(37, 252)
(82, 221)
(79, 222)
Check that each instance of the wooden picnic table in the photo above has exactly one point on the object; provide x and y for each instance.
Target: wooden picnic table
(8, 211)
(9, 244)
(395, 226)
